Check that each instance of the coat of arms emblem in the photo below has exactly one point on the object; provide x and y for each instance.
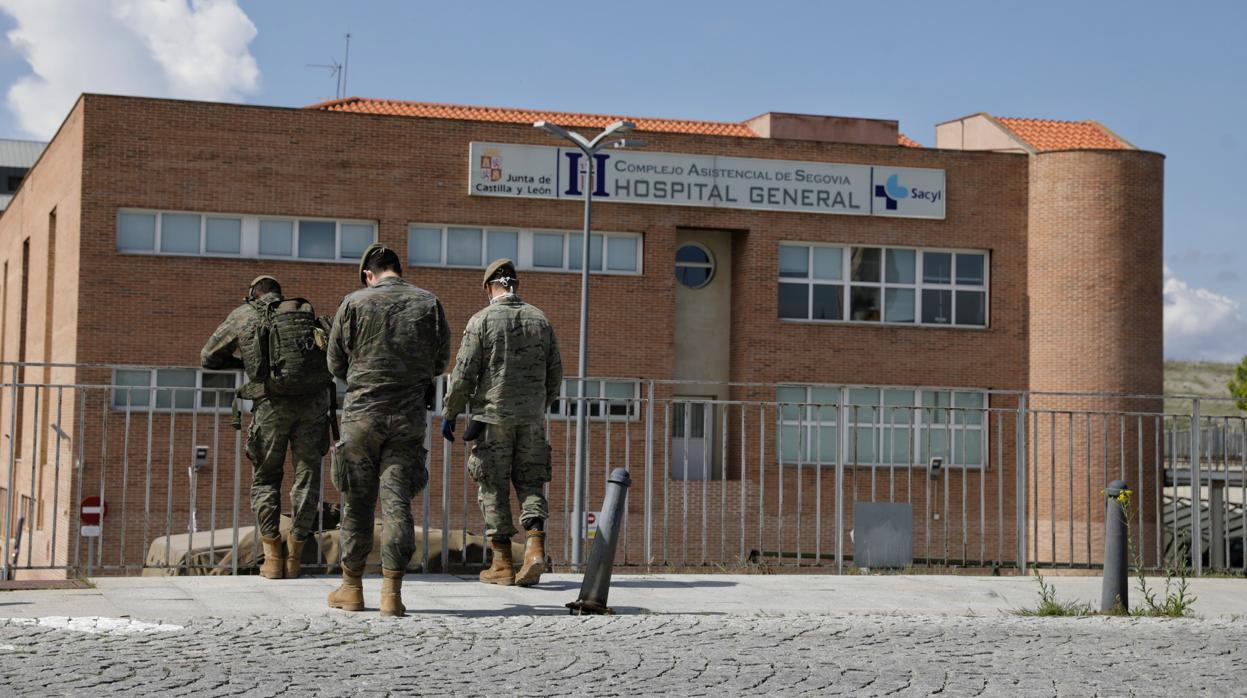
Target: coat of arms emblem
(491, 165)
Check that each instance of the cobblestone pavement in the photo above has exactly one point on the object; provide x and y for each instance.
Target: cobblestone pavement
(348, 654)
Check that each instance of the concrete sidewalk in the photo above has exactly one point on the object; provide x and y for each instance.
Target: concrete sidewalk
(181, 598)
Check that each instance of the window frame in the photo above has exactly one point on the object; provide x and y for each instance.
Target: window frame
(711, 265)
(524, 248)
(562, 410)
(919, 424)
(847, 284)
(249, 235)
(153, 390)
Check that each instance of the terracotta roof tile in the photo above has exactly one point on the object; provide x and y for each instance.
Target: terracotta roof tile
(1048, 134)
(434, 110)
(907, 142)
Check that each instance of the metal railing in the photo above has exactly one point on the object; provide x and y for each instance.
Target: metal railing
(724, 484)
(1216, 441)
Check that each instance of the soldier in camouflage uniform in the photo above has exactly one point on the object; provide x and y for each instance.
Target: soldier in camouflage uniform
(508, 372)
(302, 423)
(389, 342)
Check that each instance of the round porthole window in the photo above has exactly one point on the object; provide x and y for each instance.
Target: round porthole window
(694, 265)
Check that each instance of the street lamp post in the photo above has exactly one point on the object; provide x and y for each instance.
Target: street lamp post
(589, 148)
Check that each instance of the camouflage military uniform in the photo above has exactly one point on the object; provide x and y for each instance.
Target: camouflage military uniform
(277, 423)
(508, 373)
(388, 343)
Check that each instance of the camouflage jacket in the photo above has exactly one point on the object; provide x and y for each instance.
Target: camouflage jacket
(508, 366)
(224, 349)
(388, 343)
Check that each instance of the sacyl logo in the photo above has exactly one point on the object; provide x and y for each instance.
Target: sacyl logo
(891, 191)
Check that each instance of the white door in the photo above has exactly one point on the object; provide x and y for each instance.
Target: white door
(692, 434)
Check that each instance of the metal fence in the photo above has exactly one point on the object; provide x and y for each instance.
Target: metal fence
(1003, 481)
(1222, 438)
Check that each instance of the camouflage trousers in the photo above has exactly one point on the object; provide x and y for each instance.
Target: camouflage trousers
(300, 424)
(382, 456)
(511, 455)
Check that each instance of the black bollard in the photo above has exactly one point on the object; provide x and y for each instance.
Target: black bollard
(1115, 597)
(597, 582)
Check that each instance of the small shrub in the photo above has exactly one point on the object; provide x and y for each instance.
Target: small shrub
(1049, 605)
(1178, 599)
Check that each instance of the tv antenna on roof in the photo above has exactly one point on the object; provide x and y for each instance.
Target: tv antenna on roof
(338, 71)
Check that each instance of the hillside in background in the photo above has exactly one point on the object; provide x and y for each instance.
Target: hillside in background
(1205, 379)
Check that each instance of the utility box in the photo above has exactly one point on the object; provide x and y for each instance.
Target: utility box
(883, 534)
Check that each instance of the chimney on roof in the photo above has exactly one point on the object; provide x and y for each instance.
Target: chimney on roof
(831, 129)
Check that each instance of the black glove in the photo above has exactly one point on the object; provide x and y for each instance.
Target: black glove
(474, 430)
(430, 396)
(448, 429)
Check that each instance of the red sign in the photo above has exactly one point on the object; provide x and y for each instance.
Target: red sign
(92, 510)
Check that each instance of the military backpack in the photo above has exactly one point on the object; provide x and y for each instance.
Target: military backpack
(287, 355)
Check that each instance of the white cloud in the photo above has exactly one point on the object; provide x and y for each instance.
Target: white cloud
(193, 49)
(1202, 325)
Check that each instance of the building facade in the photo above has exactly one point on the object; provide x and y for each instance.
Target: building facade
(819, 288)
(16, 159)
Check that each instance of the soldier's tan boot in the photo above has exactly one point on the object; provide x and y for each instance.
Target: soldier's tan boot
(392, 594)
(534, 559)
(502, 571)
(274, 562)
(294, 557)
(349, 596)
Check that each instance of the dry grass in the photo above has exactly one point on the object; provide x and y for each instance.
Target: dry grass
(1205, 379)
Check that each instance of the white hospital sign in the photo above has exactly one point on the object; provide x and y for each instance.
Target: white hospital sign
(637, 177)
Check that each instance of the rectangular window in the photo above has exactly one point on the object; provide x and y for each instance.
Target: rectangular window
(173, 389)
(355, 238)
(811, 282)
(136, 232)
(606, 399)
(463, 247)
(123, 396)
(179, 233)
(276, 238)
(900, 286)
(218, 389)
(223, 236)
(575, 253)
(900, 305)
(544, 250)
(316, 239)
(211, 235)
(696, 422)
(548, 250)
(808, 418)
(886, 426)
(424, 245)
(168, 378)
(502, 244)
(794, 301)
(621, 253)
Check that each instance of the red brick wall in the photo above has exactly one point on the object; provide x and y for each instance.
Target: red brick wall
(54, 184)
(209, 157)
(1095, 271)
(1096, 325)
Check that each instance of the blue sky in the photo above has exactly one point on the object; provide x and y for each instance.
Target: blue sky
(1169, 77)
